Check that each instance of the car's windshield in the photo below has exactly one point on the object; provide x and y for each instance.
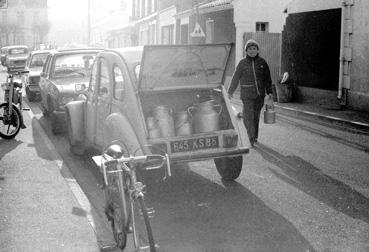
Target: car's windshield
(18, 51)
(73, 65)
(37, 60)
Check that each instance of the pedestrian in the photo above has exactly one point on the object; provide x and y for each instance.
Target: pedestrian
(253, 75)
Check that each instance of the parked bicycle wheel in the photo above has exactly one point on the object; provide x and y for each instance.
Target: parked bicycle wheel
(9, 123)
(142, 232)
(117, 208)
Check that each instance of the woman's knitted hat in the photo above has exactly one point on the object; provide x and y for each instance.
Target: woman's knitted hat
(251, 42)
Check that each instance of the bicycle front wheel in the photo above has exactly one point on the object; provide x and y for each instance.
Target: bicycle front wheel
(142, 232)
(10, 123)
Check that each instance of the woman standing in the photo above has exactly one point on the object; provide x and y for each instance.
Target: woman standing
(253, 75)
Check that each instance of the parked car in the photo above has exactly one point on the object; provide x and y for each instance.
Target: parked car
(31, 80)
(3, 53)
(171, 101)
(16, 57)
(64, 76)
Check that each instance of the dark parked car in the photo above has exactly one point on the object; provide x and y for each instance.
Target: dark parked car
(16, 57)
(31, 80)
(64, 76)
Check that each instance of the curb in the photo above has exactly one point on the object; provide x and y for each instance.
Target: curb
(331, 119)
(293, 112)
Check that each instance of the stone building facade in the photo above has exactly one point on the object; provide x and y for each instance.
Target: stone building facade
(24, 22)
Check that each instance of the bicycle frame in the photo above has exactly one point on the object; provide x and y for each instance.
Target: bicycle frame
(125, 168)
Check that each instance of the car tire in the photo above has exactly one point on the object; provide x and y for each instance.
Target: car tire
(229, 168)
(31, 96)
(76, 148)
(57, 123)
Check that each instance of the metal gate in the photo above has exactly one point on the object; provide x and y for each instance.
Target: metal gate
(269, 49)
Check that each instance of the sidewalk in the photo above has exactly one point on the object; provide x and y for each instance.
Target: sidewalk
(40, 201)
(350, 119)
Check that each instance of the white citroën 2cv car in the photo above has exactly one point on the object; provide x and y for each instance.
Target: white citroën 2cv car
(161, 99)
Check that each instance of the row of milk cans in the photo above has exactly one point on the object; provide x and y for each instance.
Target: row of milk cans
(202, 117)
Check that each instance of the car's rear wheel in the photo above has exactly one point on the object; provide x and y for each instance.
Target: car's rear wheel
(77, 148)
(229, 168)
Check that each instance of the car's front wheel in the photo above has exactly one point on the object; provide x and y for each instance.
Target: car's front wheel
(31, 96)
(229, 168)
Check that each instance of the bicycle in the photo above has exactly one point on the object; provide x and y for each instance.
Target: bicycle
(11, 118)
(124, 195)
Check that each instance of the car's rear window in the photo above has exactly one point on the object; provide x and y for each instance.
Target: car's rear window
(73, 65)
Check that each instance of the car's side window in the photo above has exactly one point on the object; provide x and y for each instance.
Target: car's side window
(46, 66)
(119, 83)
(94, 75)
(104, 79)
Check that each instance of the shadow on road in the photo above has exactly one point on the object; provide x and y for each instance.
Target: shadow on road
(7, 146)
(192, 213)
(311, 180)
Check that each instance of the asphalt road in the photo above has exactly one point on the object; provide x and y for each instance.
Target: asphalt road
(304, 187)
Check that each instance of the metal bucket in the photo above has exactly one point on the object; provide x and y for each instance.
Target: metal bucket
(164, 117)
(182, 124)
(269, 114)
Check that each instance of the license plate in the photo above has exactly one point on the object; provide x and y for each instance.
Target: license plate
(194, 144)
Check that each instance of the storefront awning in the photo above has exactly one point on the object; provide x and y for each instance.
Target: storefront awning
(215, 5)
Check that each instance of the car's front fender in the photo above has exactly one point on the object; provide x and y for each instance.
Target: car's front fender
(75, 114)
(117, 127)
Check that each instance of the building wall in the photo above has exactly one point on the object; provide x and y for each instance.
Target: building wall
(312, 5)
(245, 18)
(24, 22)
(167, 21)
(359, 85)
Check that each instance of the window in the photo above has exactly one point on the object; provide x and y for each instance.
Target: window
(93, 76)
(152, 33)
(262, 26)
(104, 79)
(167, 34)
(184, 34)
(118, 83)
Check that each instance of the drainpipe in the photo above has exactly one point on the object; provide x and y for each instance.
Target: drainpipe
(342, 50)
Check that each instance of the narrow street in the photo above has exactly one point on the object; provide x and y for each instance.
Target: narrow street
(304, 187)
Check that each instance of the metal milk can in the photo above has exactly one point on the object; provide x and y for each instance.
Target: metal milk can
(164, 117)
(182, 123)
(205, 118)
(152, 127)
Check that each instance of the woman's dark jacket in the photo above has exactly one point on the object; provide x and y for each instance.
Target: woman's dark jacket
(253, 75)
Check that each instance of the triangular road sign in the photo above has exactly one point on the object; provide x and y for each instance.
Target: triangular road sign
(197, 31)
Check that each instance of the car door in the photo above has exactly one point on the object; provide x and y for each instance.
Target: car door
(44, 76)
(103, 99)
(90, 105)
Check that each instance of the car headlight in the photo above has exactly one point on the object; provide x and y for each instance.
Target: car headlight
(80, 87)
(65, 99)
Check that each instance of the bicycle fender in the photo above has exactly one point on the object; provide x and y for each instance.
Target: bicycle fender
(117, 127)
